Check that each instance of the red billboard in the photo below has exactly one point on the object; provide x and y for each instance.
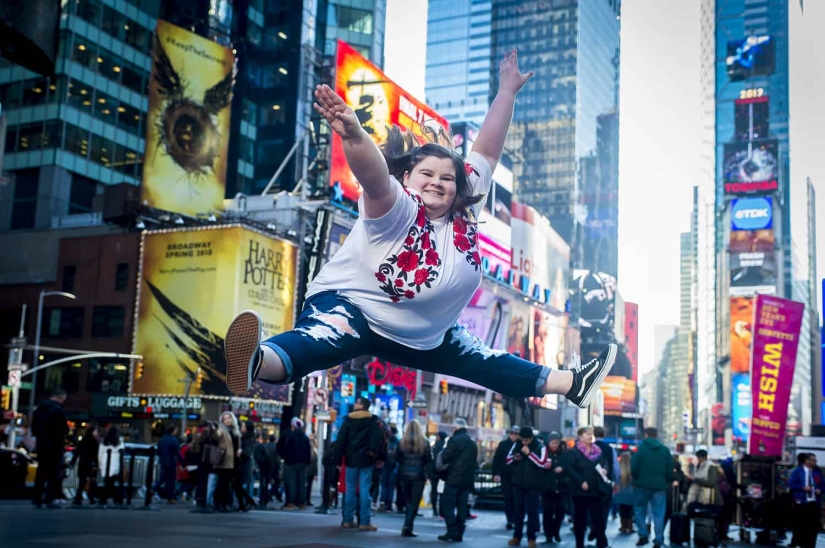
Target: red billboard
(379, 103)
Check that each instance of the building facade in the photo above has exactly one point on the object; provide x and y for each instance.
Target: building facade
(563, 142)
(458, 59)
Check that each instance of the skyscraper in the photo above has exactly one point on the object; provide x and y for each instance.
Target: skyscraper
(565, 131)
(747, 167)
(458, 59)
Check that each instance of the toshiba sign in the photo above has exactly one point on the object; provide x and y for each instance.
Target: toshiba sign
(761, 187)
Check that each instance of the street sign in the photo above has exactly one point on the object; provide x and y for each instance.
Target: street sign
(321, 396)
(9, 415)
(417, 404)
(14, 379)
(322, 415)
(18, 366)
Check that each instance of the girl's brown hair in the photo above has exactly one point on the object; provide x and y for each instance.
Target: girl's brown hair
(403, 152)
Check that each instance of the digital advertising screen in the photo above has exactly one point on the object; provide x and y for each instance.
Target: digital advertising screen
(379, 103)
(741, 334)
(619, 395)
(193, 283)
(751, 167)
(753, 56)
(752, 260)
(487, 316)
(741, 406)
(594, 295)
(751, 213)
(751, 118)
(187, 129)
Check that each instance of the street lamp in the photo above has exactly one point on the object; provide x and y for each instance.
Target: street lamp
(36, 361)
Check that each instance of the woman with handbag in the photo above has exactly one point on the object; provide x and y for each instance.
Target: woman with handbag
(413, 457)
(109, 456)
(623, 496)
(85, 455)
(587, 470)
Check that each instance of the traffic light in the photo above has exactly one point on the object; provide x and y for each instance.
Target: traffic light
(6, 397)
(139, 370)
(445, 387)
(199, 378)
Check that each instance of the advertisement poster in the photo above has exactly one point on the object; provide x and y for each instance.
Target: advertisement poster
(751, 213)
(741, 334)
(518, 336)
(193, 283)
(776, 337)
(719, 423)
(594, 296)
(187, 129)
(487, 316)
(741, 406)
(751, 56)
(619, 395)
(631, 337)
(540, 254)
(752, 261)
(379, 103)
(751, 167)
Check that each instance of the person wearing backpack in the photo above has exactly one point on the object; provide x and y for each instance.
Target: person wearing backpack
(413, 458)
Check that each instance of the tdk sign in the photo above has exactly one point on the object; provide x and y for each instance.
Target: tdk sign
(751, 213)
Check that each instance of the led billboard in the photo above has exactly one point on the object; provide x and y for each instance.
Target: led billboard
(379, 103)
(741, 406)
(192, 283)
(187, 129)
(741, 333)
(752, 261)
(753, 56)
(751, 213)
(751, 118)
(751, 167)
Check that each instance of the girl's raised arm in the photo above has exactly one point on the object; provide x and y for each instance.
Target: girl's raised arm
(493, 132)
(363, 156)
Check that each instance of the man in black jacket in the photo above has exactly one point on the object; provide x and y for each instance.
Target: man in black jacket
(554, 489)
(526, 460)
(359, 445)
(294, 449)
(612, 464)
(503, 473)
(433, 473)
(460, 460)
(50, 429)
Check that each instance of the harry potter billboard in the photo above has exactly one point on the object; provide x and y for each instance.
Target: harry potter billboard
(192, 284)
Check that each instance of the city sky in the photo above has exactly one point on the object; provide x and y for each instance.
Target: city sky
(659, 138)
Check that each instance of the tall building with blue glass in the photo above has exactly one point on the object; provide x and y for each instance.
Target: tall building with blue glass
(565, 135)
(747, 176)
(458, 58)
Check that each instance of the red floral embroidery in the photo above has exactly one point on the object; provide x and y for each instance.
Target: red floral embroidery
(419, 256)
(465, 238)
(469, 169)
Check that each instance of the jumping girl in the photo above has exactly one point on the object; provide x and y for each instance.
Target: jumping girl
(407, 270)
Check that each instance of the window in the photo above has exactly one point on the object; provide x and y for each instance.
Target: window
(128, 118)
(79, 96)
(77, 141)
(24, 208)
(102, 150)
(137, 37)
(85, 55)
(122, 277)
(69, 276)
(63, 322)
(105, 107)
(273, 114)
(351, 19)
(11, 139)
(125, 160)
(89, 10)
(81, 194)
(35, 92)
(114, 23)
(52, 134)
(107, 376)
(132, 77)
(246, 149)
(107, 321)
(249, 112)
(30, 137)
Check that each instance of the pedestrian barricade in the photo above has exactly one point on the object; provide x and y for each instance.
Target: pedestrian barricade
(488, 491)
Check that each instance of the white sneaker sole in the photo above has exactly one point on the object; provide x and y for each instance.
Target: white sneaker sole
(241, 345)
(612, 349)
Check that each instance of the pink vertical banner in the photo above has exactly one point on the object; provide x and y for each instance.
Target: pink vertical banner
(775, 340)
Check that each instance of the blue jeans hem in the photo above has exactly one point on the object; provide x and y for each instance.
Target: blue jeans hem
(541, 381)
(285, 359)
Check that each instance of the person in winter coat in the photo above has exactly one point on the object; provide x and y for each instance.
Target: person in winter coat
(388, 471)
(169, 458)
(85, 455)
(413, 458)
(554, 489)
(359, 446)
(460, 460)
(295, 449)
(587, 469)
(229, 443)
(526, 459)
(109, 455)
(503, 473)
(248, 441)
(434, 475)
(704, 489)
(50, 429)
(265, 465)
(312, 470)
(624, 494)
(653, 475)
(806, 485)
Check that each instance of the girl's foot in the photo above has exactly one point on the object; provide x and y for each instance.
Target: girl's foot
(242, 348)
(588, 377)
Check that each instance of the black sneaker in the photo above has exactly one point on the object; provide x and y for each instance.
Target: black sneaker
(588, 377)
(642, 541)
(242, 348)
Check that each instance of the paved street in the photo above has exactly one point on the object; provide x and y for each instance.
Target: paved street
(21, 525)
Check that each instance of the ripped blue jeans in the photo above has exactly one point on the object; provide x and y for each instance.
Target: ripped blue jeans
(332, 330)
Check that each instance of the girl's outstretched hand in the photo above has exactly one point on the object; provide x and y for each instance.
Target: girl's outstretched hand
(509, 77)
(341, 118)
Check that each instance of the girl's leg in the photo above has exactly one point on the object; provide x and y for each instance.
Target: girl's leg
(330, 330)
(465, 356)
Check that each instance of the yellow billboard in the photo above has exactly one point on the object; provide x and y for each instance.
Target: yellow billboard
(192, 284)
(187, 131)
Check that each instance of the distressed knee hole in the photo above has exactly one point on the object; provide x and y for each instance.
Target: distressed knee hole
(329, 326)
(470, 344)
